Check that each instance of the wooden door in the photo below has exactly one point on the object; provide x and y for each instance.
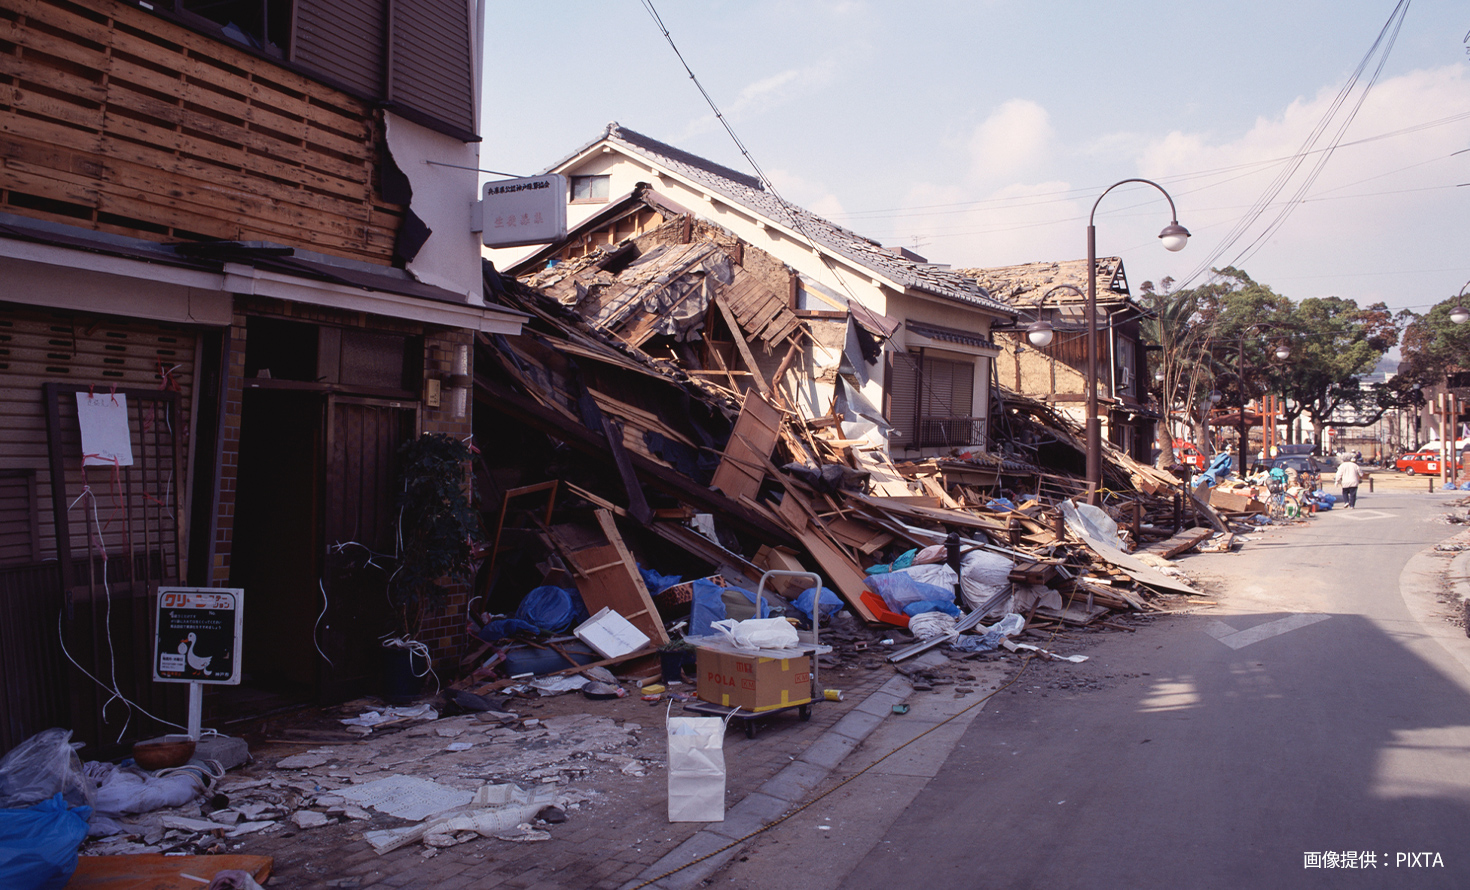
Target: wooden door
(363, 437)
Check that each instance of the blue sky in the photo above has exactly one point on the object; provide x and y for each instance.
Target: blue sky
(980, 133)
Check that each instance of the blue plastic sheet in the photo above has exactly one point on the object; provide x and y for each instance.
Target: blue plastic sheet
(657, 583)
(501, 628)
(829, 601)
(902, 562)
(551, 609)
(707, 605)
(900, 589)
(39, 843)
(921, 606)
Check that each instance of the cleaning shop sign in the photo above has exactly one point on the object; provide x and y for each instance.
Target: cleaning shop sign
(198, 638)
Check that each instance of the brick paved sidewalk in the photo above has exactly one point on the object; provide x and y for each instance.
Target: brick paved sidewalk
(615, 833)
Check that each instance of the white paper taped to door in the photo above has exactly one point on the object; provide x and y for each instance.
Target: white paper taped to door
(103, 419)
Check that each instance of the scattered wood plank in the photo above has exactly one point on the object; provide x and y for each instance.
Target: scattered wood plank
(1188, 539)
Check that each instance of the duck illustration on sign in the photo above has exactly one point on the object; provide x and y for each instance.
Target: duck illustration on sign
(198, 635)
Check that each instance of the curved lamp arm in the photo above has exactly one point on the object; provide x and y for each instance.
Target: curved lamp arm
(1174, 235)
(1040, 331)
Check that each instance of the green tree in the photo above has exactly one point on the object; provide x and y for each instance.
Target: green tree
(1171, 324)
(1335, 343)
(1433, 345)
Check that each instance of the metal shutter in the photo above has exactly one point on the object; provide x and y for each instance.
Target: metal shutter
(431, 74)
(902, 384)
(343, 41)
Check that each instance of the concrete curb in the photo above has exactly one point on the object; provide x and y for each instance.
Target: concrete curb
(684, 868)
(1419, 582)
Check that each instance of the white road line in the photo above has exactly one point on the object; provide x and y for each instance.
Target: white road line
(1239, 639)
(1360, 515)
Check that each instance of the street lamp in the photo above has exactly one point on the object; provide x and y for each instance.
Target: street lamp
(1174, 236)
(1459, 314)
(1039, 333)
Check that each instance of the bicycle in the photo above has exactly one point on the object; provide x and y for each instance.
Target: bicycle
(1280, 503)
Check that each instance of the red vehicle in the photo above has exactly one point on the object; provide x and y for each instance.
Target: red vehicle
(1186, 453)
(1419, 462)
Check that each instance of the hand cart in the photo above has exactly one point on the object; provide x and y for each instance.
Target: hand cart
(813, 646)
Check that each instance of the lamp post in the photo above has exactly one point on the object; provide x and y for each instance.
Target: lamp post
(1174, 237)
(1040, 331)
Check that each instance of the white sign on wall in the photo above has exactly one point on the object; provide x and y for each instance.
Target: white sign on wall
(106, 440)
(515, 212)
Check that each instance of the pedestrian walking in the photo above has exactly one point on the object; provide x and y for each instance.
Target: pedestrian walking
(1348, 477)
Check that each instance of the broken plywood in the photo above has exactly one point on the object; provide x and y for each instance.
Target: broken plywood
(607, 574)
(743, 467)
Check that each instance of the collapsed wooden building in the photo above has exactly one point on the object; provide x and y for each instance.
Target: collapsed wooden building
(646, 411)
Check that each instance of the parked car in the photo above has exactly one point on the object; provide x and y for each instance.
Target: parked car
(1308, 464)
(1424, 461)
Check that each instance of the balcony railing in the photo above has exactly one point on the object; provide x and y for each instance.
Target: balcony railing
(950, 432)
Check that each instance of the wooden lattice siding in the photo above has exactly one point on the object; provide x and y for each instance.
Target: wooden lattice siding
(120, 121)
(37, 347)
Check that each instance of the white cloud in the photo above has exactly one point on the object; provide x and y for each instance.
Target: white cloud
(1012, 142)
(1382, 212)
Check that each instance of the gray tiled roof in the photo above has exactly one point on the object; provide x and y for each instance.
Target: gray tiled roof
(747, 191)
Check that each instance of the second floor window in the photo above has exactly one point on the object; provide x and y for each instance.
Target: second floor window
(589, 189)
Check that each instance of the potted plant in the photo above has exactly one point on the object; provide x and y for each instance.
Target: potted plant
(438, 531)
(674, 656)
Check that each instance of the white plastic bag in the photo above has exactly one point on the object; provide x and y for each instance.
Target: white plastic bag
(758, 633)
(696, 769)
(983, 573)
(928, 625)
(42, 766)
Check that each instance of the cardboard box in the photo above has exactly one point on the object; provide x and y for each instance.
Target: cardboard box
(780, 678)
(611, 634)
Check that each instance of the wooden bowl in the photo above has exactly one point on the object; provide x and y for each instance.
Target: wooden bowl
(163, 754)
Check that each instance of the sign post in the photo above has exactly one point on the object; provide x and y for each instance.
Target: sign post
(198, 641)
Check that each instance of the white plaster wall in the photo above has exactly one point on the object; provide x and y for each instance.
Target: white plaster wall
(442, 197)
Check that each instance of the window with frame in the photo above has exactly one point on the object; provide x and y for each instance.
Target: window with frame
(590, 189)
(263, 25)
(931, 401)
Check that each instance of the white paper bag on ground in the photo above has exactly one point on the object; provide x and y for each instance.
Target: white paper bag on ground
(696, 769)
(758, 633)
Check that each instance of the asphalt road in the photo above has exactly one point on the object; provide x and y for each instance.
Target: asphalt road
(1312, 730)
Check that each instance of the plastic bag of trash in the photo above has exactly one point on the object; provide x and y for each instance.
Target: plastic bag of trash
(758, 633)
(41, 767)
(898, 589)
(928, 625)
(983, 574)
(125, 791)
(830, 603)
(39, 843)
(937, 573)
(551, 609)
(1008, 626)
(920, 608)
(696, 769)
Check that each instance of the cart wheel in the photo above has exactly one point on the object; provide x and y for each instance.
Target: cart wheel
(750, 729)
(805, 711)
